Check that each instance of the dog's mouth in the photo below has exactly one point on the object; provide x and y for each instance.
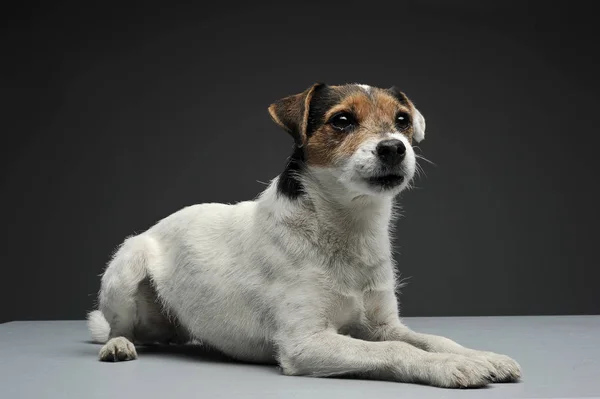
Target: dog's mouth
(386, 181)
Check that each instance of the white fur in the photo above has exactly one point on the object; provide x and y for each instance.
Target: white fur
(98, 326)
(419, 126)
(366, 88)
(308, 283)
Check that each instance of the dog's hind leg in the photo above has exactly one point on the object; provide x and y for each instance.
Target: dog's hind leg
(119, 296)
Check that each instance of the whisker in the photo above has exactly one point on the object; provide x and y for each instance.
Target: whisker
(420, 169)
(425, 159)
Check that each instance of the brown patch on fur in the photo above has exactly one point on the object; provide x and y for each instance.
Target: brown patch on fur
(375, 113)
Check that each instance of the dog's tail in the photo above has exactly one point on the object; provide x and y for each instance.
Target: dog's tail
(98, 326)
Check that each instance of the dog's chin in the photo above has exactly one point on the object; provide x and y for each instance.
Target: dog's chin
(385, 182)
(389, 184)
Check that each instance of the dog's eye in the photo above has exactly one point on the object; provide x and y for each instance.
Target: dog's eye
(402, 121)
(343, 121)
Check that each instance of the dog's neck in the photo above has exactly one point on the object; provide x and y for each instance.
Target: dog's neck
(323, 205)
(351, 233)
(338, 209)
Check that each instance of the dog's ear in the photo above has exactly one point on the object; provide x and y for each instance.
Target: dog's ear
(418, 119)
(291, 113)
(418, 126)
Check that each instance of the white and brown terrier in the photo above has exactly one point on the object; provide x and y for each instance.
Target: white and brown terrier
(303, 276)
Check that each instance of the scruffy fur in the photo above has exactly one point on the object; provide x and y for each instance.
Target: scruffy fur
(303, 276)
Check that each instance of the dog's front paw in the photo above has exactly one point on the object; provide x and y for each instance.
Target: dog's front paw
(458, 371)
(117, 349)
(506, 369)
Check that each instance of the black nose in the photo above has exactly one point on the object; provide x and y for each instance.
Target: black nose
(391, 152)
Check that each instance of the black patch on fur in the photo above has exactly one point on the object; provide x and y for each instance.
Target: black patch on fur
(394, 91)
(289, 183)
(323, 99)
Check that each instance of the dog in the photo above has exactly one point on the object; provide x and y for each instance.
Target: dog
(303, 276)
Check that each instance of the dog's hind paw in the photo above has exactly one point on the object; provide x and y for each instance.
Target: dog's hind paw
(117, 350)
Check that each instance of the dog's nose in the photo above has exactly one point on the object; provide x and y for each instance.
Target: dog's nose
(391, 152)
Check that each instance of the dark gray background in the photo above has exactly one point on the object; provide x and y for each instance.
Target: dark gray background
(114, 117)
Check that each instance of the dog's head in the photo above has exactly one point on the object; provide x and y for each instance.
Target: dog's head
(360, 135)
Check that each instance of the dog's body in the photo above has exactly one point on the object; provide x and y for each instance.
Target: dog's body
(302, 276)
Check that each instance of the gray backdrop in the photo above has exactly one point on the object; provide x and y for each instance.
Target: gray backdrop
(115, 117)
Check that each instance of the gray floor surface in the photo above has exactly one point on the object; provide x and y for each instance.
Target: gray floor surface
(560, 357)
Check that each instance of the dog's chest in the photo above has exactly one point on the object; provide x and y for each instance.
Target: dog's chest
(358, 265)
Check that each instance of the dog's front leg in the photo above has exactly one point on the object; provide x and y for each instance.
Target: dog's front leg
(507, 370)
(327, 353)
(384, 325)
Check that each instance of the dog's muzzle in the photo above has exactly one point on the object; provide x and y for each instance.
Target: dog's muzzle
(390, 154)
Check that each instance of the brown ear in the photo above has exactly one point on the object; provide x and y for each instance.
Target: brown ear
(291, 113)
